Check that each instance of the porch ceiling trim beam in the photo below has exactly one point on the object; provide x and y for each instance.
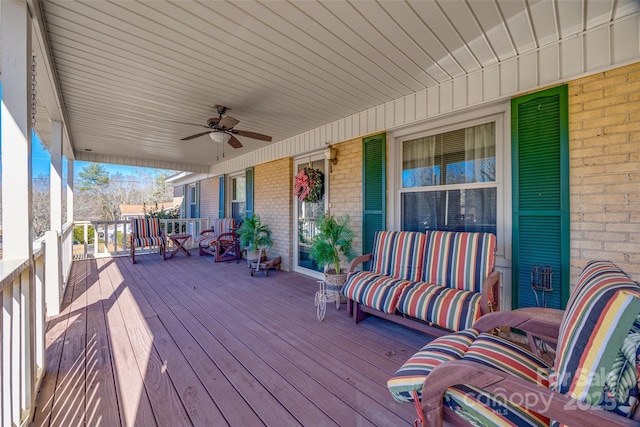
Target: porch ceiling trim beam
(146, 163)
(602, 48)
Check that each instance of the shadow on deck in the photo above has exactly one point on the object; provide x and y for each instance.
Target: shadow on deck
(191, 342)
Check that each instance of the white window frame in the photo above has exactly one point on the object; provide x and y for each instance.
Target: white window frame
(229, 191)
(498, 113)
(192, 198)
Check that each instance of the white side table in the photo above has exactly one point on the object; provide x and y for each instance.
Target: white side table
(324, 296)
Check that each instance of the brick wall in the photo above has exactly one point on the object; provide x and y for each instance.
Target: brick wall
(345, 185)
(604, 139)
(209, 198)
(273, 201)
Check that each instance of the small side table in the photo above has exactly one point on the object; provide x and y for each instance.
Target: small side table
(323, 296)
(178, 241)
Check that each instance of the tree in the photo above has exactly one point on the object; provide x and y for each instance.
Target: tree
(93, 177)
(99, 195)
(41, 206)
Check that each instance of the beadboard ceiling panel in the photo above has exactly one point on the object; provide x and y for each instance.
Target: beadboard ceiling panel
(137, 76)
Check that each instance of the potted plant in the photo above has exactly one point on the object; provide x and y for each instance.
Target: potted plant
(333, 240)
(254, 235)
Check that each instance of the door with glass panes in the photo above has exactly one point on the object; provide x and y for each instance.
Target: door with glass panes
(306, 214)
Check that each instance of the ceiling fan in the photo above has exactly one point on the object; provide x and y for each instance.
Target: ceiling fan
(222, 129)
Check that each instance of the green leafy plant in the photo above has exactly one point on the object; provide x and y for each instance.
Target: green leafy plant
(333, 239)
(254, 234)
(78, 234)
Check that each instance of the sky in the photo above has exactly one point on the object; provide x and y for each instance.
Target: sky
(41, 160)
(41, 163)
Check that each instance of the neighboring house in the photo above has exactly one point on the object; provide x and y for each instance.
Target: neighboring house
(553, 173)
(128, 212)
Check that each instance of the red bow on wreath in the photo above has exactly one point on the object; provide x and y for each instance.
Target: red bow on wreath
(309, 185)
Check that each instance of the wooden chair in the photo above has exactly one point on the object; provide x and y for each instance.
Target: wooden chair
(473, 377)
(207, 239)
(146, 232)
(227, 247)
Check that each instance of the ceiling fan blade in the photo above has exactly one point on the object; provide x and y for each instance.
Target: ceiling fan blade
(196, 135)
(228, 122)
(186, 123)
(233, 141)
(253, 135)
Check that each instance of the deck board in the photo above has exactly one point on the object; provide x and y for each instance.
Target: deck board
(188, 341)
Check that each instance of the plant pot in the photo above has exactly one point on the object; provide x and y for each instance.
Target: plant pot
(334, 282)
(252, 256)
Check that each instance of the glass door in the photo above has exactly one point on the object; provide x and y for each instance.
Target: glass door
(307, 213)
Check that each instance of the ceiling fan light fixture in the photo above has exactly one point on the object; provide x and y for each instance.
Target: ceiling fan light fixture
(220, 137)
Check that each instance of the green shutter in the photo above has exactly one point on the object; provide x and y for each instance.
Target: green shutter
(221, 196)
(248, 174)
(374, 188)
(540, 162)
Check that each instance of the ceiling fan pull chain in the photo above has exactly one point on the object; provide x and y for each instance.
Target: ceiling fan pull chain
(34, 92)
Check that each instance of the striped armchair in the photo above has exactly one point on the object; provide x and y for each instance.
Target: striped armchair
(146, 232)
(475, 378)
(220, 240)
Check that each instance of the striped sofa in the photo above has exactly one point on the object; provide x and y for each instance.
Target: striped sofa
(474, 377)
(438, 281)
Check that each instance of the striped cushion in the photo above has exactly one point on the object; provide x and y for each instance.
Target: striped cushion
(600, 334)
(410, 377)
(459, 260)
(480, 408)
(206, 240)
(499, 353)
(223, 225)
(476, 404)
(145, 227)
(148, 241)
(398, 254)
(373, 290)
(448, 308)
(473, 405)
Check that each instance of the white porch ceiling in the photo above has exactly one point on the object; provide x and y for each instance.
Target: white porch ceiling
(129, 70)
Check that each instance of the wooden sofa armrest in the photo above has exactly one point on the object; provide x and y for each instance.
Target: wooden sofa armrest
(227, 236)
(358, 260)
(540, 322)
(539, 399)
(490, 293)
(210, 231)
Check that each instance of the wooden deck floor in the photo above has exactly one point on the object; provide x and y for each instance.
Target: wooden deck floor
(191, 342)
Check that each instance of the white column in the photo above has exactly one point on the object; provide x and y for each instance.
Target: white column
(69, 190)
(15, 27)
(55, 179)
(16, 385)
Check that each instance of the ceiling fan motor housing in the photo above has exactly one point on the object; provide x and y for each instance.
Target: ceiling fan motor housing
(213, 122)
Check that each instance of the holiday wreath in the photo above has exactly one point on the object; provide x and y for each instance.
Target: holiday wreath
(309, 185)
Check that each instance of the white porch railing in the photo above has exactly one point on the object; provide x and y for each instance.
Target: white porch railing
(111, 238)
(22, 344)
(31, 292)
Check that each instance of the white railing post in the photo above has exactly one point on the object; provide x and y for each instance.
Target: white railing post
(53, 273)
(39, 314)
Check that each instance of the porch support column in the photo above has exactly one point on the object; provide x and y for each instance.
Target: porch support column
(69, 190)
(17, 384)
(17, 217)
(55, 180)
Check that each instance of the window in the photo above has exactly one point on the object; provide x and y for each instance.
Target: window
(238, 198)
(193, 202)
(448, 181)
